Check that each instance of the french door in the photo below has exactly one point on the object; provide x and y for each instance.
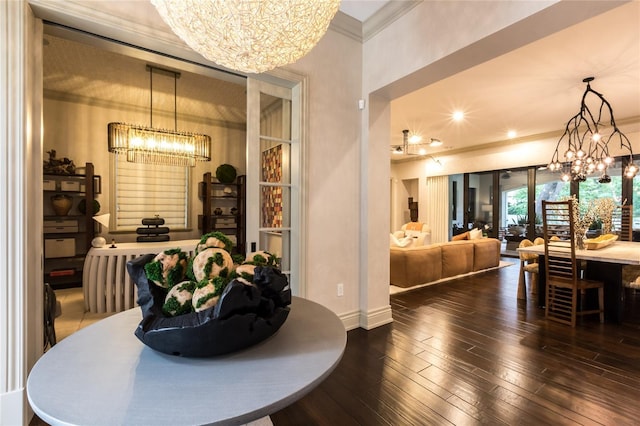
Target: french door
(273, 175)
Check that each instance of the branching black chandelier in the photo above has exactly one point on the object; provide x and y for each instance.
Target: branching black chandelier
(585, 142)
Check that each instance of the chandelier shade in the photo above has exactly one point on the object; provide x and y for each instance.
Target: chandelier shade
(150, 145)
(249, 36)
(583, 148)
(158, 146)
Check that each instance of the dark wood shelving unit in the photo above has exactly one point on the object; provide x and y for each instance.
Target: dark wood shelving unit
(67, 239)
(218, 200)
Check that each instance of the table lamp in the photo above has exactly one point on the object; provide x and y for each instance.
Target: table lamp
(102, 219)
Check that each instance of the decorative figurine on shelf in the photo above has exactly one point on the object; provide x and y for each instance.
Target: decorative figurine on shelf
(82, 206)
(234, 210)
(217, 211)
(153, 231)
(55, 166)
(98, 242)
(61, 204)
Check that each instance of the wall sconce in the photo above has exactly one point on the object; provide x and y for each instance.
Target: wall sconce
(159, 146)
(586, 142)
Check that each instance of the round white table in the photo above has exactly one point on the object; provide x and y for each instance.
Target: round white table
(103, 375)
(106, 284)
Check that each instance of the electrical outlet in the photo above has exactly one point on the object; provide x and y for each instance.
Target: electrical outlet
(340, 289)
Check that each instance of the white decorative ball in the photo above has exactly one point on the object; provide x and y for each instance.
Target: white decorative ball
(98, 242)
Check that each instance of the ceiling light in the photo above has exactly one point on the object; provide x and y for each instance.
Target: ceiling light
(406, 143)
(151, 145)
(457, 115)
(586, 141)
(414, 138)
(511, 134)
(249, 36)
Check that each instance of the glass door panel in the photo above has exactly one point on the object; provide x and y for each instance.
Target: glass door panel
(272, 197)
(278, 242)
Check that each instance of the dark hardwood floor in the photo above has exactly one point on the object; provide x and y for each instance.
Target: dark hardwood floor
(467, 352)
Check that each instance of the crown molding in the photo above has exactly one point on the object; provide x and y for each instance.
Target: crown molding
(347, 26)
(385, 16)
(363, 31)
(86, 22)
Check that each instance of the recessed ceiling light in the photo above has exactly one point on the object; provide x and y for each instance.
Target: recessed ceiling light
(457, 115)
(511, 134)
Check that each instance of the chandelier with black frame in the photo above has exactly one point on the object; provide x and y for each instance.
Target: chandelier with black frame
(585, 142)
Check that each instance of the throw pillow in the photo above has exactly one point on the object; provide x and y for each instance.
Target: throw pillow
(418, 240)
(463, 236)
(414, 226)
(412, 233)
(474, 234)
(400, 242)
(399, 234)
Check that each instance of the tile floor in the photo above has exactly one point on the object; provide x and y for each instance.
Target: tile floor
(73, 316)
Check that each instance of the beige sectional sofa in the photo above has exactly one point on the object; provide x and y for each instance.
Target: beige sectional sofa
(424, 264)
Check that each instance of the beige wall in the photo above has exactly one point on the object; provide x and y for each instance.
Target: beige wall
(347, 163)
(333, 171)
(78, 130)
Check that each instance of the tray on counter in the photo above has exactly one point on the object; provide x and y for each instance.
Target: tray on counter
(600, 242)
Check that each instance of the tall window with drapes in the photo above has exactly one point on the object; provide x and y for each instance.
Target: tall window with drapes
(436, 208)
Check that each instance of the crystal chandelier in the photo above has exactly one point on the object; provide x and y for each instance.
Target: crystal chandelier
(586, 141)
(250, 36)
(150, 145)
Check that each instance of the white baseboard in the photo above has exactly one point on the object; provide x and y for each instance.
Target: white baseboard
(12, 408)
(376, 318)
(350, 320)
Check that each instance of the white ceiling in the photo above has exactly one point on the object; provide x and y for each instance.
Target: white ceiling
(361, 9)
(533, 90)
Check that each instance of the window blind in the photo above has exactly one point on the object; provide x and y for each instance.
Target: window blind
(147, 190)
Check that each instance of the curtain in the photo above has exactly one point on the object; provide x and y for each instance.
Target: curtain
(437, 208)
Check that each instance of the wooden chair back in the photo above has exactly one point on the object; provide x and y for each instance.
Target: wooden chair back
(622, 222)
(564, 285)
(559, 242)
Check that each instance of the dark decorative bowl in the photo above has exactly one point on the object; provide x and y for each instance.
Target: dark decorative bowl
(244, 315)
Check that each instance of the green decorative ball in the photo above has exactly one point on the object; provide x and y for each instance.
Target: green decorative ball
(82, 206)
(226, 173)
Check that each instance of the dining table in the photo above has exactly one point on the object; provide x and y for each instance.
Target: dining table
(104, 375)
(603, 264)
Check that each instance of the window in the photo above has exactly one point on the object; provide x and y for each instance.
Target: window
(147, 190)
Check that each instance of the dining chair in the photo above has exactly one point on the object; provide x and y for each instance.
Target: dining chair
(565, 288)
(528, 264)
(622, 222)
(51, 311)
